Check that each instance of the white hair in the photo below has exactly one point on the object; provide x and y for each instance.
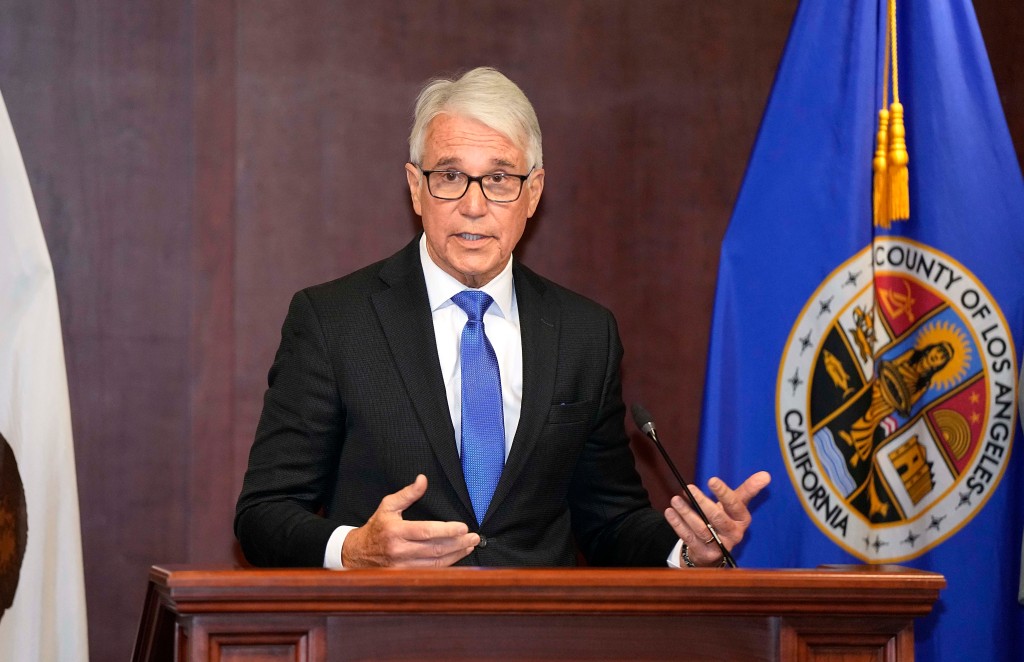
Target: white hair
(487, 96)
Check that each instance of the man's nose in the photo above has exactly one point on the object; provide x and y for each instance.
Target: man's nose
(474, 202)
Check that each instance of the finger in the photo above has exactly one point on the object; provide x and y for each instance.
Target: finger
(405, 497)
(440, 548)
(731, 502)
(430, 551)
(438, 562)
(752, 486)
(679, 525)
(716, 516)
(711, 509)
(734, 502)
(687, 524)
(415, 530)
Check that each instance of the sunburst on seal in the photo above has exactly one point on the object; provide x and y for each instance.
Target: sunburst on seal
(956, 369)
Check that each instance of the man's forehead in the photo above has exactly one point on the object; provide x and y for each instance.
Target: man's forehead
(456, 161)
(455, 141)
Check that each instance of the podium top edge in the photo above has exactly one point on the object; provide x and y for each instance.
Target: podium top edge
(183, 576)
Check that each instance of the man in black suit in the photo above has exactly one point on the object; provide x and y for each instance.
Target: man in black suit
(387, 440)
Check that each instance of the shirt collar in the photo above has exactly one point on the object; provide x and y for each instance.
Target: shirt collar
(441, 286)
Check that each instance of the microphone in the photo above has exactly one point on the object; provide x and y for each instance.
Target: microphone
(643, 420)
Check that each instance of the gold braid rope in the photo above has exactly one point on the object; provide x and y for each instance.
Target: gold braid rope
(891, 185)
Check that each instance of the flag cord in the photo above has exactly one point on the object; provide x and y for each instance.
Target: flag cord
(899, 175)
(894, 53)
(880, 164)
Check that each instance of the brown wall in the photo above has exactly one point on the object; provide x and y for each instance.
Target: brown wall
(195, 163)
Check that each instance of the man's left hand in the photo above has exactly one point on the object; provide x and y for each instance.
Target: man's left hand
(729, 515)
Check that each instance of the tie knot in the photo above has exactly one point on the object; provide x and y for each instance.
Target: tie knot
(473, 303)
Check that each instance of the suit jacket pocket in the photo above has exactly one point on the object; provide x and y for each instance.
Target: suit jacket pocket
(570, 412)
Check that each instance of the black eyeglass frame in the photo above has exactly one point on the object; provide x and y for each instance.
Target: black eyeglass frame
(479, 179)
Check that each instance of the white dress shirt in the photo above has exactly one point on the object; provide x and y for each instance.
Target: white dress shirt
(501, 325)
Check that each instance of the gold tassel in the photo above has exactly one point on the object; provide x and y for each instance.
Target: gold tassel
(880, 187)
(898, 158)
(899, 175)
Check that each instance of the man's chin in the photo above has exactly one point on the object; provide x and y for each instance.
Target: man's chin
(476, 273)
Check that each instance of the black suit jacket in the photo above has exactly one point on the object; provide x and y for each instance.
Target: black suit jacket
(356, 407)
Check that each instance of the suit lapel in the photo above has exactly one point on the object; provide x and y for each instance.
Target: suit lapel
(404, 313)
(538, 323)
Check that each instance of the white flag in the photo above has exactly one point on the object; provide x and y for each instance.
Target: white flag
(42, 593)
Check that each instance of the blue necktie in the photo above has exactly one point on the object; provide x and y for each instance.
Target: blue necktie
(483, 422)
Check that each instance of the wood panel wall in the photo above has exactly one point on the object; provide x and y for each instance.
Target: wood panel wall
(196, 163)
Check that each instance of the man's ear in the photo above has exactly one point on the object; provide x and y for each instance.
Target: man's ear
(534, 186)
(414, 177)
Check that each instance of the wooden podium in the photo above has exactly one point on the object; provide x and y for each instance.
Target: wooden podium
(835, 613)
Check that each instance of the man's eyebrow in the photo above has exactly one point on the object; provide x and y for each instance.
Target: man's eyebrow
(446, 161)
(456, 162)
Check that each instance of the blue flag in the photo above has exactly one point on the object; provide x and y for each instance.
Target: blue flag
(872, 369)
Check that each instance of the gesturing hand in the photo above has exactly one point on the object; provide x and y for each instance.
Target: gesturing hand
(729, 515)
(387, 540)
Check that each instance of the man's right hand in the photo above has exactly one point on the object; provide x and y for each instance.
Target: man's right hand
(387, 540)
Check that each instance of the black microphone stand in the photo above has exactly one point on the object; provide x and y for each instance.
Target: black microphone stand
(643, 421)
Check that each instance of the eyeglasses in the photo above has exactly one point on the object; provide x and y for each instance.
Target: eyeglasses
(496, 186)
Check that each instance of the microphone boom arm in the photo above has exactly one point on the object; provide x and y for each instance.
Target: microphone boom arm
(646, 425)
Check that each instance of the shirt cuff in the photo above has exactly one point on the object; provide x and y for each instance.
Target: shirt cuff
(673, 557)
(332, 555)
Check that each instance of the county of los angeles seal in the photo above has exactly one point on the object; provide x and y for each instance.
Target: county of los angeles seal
(895, 400)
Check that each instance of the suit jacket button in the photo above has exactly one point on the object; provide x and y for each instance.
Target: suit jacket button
(483, 541)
